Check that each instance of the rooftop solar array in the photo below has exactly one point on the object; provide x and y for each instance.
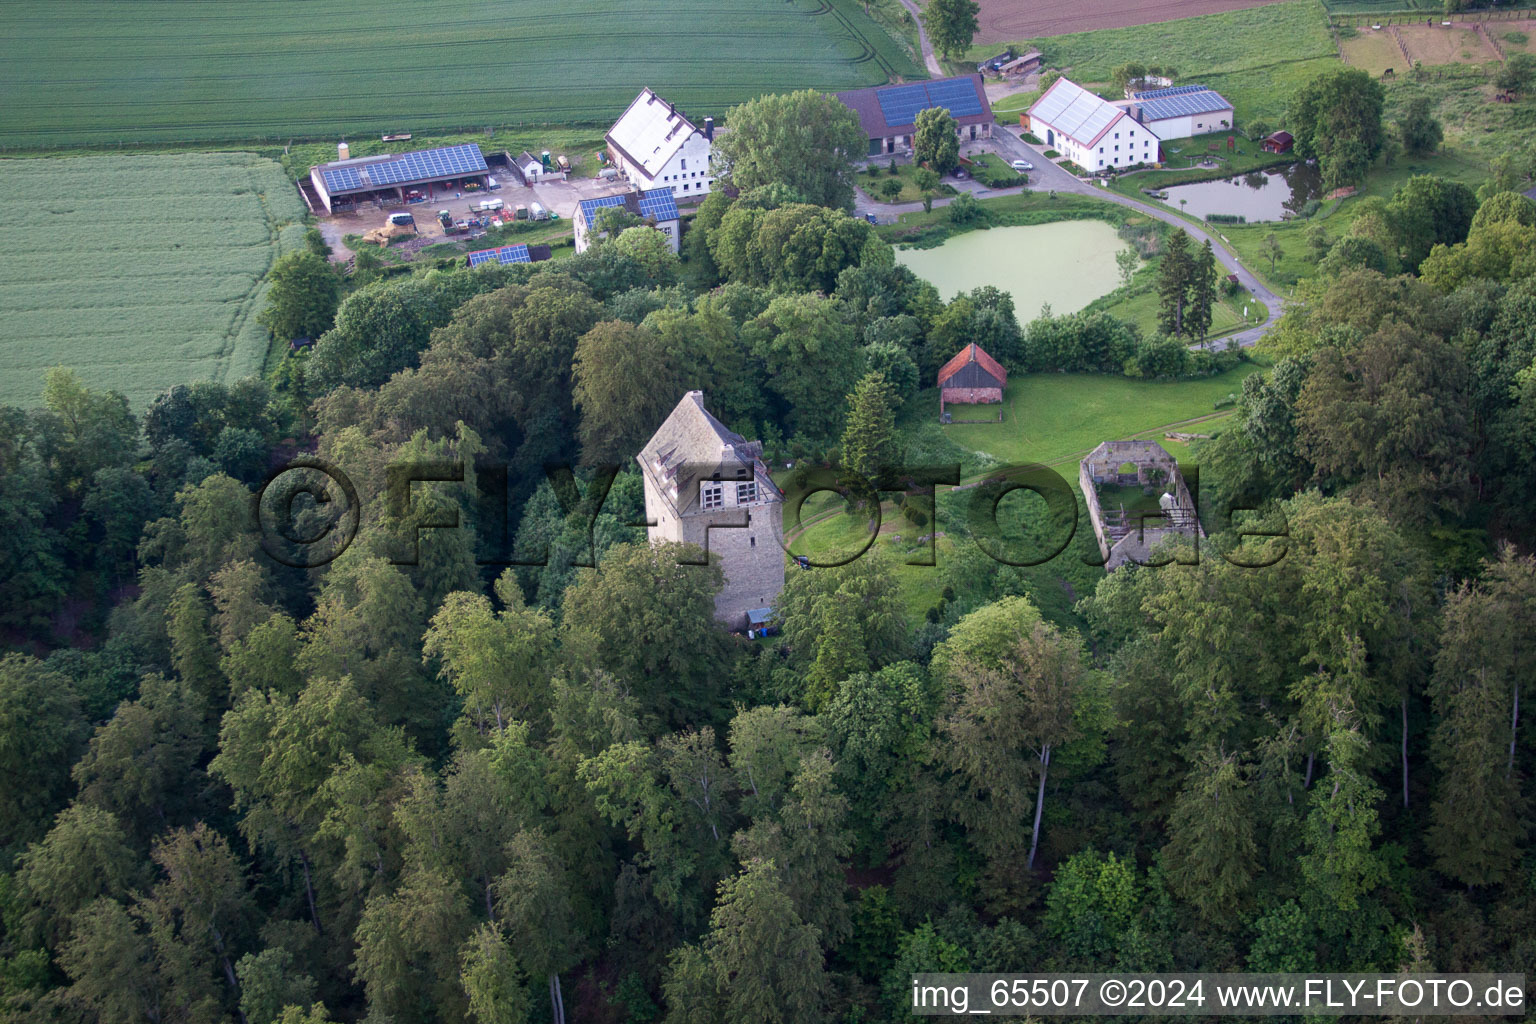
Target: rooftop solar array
(421, 165)
(900, 104)
(655, 204)
(1074, 111)
(1172, 90)
(658, 204)
(1197, 101)
(506, 254)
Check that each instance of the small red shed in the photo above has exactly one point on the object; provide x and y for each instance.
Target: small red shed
(1277, 142)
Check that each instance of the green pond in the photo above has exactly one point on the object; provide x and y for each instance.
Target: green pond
(1068, 264)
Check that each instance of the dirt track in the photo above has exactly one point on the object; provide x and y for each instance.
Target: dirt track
(1004, 21)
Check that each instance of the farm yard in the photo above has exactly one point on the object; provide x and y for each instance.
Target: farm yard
(1004, 20)
(139, 272)
(104, 72)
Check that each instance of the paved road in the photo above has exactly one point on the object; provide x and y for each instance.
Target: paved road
(934, 67)
(1048, 177)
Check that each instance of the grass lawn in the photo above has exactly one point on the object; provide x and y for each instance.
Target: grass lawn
(102, 72)
(139, 272)
(1055, 418)
(1008, 109)
(1139, 305)
(907, 175)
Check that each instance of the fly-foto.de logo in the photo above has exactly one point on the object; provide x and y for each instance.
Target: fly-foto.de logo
(309, 511)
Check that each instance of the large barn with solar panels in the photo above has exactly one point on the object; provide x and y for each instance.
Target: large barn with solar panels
(348, 182)
(1090, 131)
(656, 206)
(888, 113)
(1182, 111)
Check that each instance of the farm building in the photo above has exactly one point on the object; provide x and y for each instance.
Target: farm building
(888, 113)
(1091, 132)
(707, 485)
(655, 147)
(655, 206)
(1182, 111)
(534, 169)
(971, 378)
(347, 182)
(1277, 142)
(1028, 63)
(510, 254)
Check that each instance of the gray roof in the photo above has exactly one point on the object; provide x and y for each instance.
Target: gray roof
(690, 446)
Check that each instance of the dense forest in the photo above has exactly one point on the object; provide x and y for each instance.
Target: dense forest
(439, 788)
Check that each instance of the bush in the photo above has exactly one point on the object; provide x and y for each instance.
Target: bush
(1032, 139)
(965, 209)
(1226, 218)
(1052, 154)
(1310, 208)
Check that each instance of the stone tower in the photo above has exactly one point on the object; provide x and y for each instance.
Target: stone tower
(708, 486)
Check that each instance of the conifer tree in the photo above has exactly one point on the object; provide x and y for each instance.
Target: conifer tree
(1173, 281)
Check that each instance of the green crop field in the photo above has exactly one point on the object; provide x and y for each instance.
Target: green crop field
(1255, 57)
(138, 271)
(106, 71)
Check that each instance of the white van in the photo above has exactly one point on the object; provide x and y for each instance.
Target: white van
(491, 204)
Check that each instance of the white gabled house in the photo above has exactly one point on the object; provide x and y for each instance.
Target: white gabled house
(1090, 131)
(655, 146)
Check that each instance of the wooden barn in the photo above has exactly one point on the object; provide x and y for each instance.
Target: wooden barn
(971, 378)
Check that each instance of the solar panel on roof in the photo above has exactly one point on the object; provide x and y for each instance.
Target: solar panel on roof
(505, 255)
(1172, 90)
(1197, 100)
(900, 104)
(420, 165)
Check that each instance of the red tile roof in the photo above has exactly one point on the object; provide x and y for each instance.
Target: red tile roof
(973, 353)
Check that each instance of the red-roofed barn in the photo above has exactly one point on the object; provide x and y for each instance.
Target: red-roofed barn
(971, 378)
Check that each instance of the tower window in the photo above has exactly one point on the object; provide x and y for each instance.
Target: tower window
(712, 496)
(746, 492)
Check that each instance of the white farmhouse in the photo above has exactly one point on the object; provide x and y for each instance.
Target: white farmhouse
(1182, 111)
(657, 147)
(1091, 132)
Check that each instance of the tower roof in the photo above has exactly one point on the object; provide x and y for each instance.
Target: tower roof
(691, 445)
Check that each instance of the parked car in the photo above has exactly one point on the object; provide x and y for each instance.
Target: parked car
(1023, 165)
(961, 173)
(872, 218)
